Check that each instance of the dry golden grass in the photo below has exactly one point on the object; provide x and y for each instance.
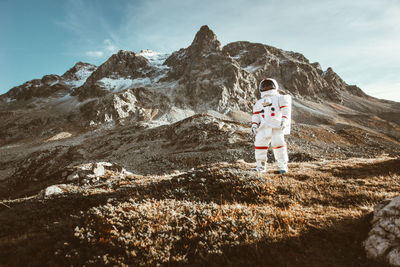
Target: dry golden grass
(220, 214)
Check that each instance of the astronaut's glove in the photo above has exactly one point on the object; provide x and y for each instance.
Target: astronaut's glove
(254, 128)
(284, 123)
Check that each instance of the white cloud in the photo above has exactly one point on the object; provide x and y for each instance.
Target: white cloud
(384, 89)
(109, 46)
(94, 54)
(107, 49)
(92, 31)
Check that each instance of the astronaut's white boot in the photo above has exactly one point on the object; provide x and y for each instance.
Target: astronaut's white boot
(260, 166)
(282, 159)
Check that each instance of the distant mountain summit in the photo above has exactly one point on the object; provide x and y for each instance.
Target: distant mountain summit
(124, 64)
(78, 74)
(205, 41)
(51, 85)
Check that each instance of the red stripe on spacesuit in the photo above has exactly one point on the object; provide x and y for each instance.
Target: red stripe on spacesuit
(277, 147)
(257, 112)
(254, 123)
(283, 107)
(260, 147)
(284, 117)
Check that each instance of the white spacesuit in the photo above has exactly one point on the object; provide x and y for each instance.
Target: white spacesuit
(270, 122)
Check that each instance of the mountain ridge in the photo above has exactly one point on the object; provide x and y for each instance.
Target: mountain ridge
(207, 42)
(206, 77)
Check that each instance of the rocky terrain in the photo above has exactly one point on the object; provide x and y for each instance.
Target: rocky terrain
(220, 213)
(383, 239)
(146, 159)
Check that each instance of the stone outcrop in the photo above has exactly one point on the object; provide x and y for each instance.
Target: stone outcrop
(209, 78)
(136, 104)
(48, 86)
(383, 242)
(80, 71)
(51, 85)
(296, 75)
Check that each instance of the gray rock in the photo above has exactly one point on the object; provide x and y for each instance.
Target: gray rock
(53, 190)
(73, 177)
(98, 170)
(383, 242)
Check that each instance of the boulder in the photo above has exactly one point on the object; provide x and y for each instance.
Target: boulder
(383, 242)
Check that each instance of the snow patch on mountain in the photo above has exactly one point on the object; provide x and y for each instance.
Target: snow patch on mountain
(238, 56)
(123, 83)
(9, 100)
(251, 68)
(53, 83)
(155, 58)
(64, 98)
(176, 114)
(81, 75)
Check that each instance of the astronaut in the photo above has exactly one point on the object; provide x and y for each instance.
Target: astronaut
(270, 123)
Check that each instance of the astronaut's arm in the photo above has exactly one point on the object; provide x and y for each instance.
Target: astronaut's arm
(285, 105)
(255, 118)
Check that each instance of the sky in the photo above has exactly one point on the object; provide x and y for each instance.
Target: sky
(359, 39)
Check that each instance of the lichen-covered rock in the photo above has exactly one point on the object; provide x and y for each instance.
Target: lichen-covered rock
(383, 242)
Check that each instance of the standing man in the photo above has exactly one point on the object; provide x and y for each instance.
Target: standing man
(270, 122)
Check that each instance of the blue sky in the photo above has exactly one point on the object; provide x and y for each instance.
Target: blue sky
(359, 39)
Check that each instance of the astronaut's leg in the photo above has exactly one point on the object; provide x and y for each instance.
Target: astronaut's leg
(280, 150)
(261, 143)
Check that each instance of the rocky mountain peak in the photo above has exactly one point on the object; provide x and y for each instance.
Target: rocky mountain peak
(205, 41)
(47, 86)
(120, 66)
(124, 59)
(79, 71)
(332, 77)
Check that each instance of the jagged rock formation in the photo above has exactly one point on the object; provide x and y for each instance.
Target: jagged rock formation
(50, 85)
(383, 242)
(134, 105)
(293, 71)
(124, 64)
(78, 74)
(209, 78)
